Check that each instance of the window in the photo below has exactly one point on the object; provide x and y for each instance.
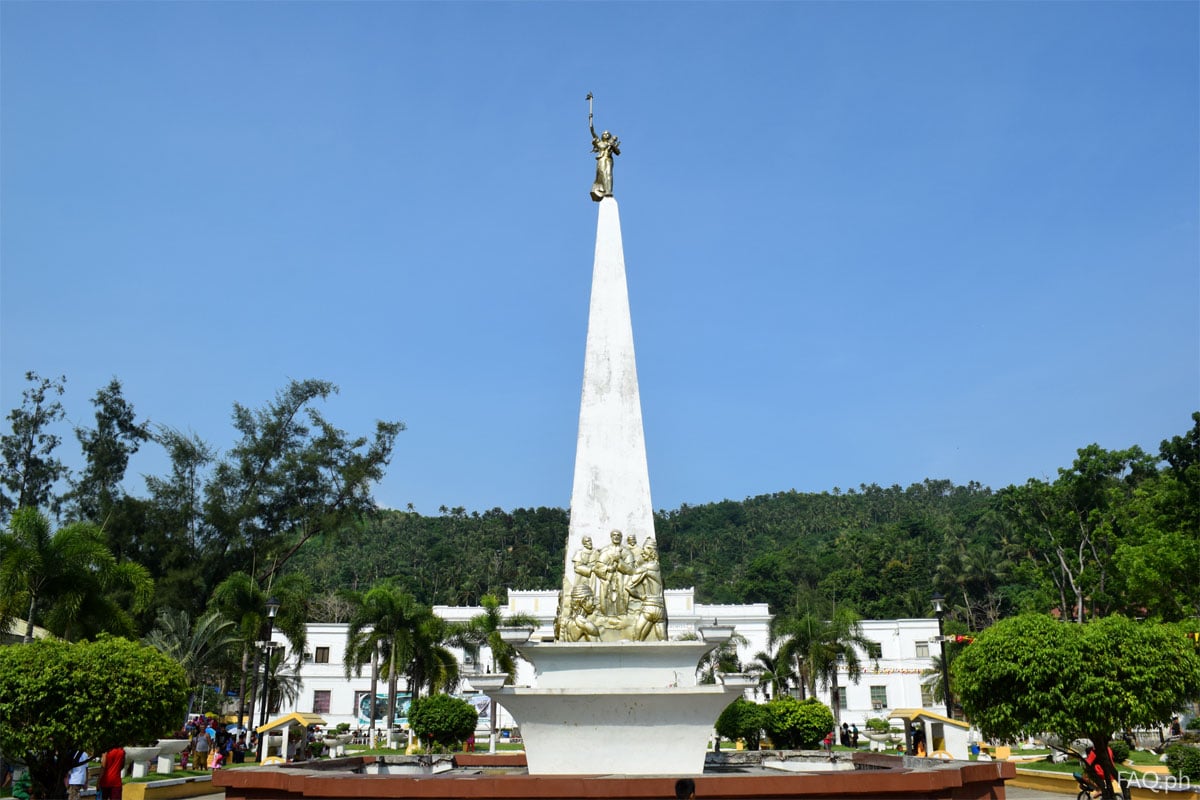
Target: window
(322, 655)
(874, 650)
(842, 703)
(926, 694)
(922, 649)
(321, 700)
(879, 697)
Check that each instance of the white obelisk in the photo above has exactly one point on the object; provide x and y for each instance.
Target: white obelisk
(612, 481)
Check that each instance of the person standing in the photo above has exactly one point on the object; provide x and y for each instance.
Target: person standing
(112, 770)
(77, 777)
(200, 750)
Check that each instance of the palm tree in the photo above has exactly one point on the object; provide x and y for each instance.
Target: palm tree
(484, 629)
(722, 658)
(774, 673)
(838, 643)
(283, 682)
(932, 678)
(200, 649)
(68, 579)
(243, 601)
(820, 648)
(433, 667)
(796, 639)
(385, 619)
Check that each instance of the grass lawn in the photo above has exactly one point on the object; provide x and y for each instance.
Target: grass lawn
(179, 773)
(480, 747)
(1067, 767)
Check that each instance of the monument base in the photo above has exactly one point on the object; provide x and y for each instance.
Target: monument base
(616, 731)
(604, 708)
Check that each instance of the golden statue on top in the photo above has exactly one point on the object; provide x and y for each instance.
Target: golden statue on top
(605, 146)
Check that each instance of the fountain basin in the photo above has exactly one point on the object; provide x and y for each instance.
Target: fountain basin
(616, 730)
(170, 747)
(141, 757)
(488, 681)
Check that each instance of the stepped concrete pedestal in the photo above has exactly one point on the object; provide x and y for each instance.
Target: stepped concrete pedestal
(626, 708)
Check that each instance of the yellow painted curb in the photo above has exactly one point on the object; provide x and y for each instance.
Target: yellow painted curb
(169, 789)
(1065, 784)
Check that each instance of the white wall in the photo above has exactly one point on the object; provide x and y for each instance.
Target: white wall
(898, 670)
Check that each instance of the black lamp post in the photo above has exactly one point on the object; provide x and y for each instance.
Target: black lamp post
(939, 608)
(272, 610)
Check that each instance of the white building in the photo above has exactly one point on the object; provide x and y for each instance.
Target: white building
(893, 680)
(891, 675)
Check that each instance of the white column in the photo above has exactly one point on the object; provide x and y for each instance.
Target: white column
(611, 490)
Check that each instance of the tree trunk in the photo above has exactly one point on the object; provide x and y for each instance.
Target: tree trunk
(253, 686)
(492, 724)
(391, 720)
(242, 691)
(1108, 787)
(374, 693)
(29, 623)
(835, 700)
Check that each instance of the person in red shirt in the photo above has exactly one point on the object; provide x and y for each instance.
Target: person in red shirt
(112, 767)
(1093, 770)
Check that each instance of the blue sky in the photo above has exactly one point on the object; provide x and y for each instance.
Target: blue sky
(865, 242)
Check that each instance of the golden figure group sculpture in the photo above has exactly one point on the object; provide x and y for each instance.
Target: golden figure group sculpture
(605, 146)
(616, 593)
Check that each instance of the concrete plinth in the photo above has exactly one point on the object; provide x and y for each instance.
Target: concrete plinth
(616, 731)
(603, 708)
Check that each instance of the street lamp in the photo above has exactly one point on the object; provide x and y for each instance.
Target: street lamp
(272, 610)
(939, 608)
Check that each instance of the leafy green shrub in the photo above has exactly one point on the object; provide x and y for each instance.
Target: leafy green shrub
(342, 727)
(1194, 724)
(443, 719)
(877, 725)
(1184, 761)
(742, 719)
(111, 692)
(1120, 750)
(797, 724)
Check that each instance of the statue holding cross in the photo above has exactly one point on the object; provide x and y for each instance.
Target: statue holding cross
(605, 146)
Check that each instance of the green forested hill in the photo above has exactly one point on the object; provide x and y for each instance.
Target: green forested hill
(290, 502)
(878, 549)
(1117, 531)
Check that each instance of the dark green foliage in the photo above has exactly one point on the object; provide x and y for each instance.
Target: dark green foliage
(742, 719)
(67, 580)
(1033, 674)
(455, 558)
(797, 724)
(107, 448)
(57, 697)
(1120, 750)
(1184, 761)
(442, 719)
(1112, 533)
(28, 466)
